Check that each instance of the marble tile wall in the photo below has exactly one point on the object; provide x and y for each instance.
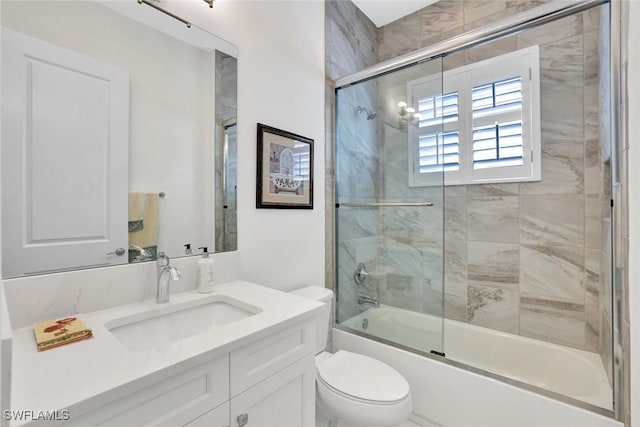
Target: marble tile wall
(524, 258)
(351, 45)
(602, 303)
(410, 254)
(226, 228)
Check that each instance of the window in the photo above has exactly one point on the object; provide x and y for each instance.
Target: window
(301, 164)
(438, 150)
(478, 123)
(286, 162)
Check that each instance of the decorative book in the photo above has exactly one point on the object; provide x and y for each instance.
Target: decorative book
(54, 333)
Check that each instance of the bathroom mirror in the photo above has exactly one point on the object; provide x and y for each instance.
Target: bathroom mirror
(118, 136)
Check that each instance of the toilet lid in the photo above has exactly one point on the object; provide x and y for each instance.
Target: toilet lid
(363, 377)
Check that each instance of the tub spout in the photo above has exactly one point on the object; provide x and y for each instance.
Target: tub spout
(368, 300)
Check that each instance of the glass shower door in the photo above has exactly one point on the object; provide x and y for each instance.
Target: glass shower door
(392, 148)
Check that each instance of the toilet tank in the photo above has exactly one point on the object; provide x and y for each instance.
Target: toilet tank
(325, 296)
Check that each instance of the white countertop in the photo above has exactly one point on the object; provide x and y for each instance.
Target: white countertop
(87, 374)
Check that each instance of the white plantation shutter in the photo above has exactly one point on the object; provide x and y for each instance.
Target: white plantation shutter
(484, 127)
(497, 124)
(438, 150)
(434, 133)
(498, 145)
(301, 161)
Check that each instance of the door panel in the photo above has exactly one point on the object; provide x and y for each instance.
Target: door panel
(65, 128)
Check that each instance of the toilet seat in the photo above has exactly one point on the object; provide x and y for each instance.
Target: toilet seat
(362, 378)
(359, 391)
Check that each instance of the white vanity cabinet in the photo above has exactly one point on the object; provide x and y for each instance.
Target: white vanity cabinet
(255, 371)
(269, 382)
(273, 380)
(174, 401)
(218, 417)
(286, 399)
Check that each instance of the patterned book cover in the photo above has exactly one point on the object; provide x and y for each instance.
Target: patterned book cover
(54, 333)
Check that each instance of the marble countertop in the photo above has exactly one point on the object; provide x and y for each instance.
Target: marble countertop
(87, 374)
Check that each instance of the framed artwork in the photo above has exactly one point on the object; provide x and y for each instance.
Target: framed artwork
(285, 170)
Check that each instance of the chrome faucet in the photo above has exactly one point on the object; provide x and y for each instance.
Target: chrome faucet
(163, 267)
(368, 300)
(143, 254)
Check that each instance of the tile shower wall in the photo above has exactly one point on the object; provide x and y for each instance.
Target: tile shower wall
(602, 298)
(226, 225)
(410, 248)
(527, 258)
(351, 45)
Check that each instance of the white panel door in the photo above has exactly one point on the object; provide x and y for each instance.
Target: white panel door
(286, 399)
(65, 131)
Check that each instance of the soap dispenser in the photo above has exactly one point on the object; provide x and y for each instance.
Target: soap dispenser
(206, 272)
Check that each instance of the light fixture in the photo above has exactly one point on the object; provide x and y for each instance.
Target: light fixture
(407, 113)
(156, 7)
(166, 12)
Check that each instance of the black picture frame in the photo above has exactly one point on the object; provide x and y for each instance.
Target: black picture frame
(284, 177)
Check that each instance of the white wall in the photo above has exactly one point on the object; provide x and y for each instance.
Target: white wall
(281, 84)
(634, 206)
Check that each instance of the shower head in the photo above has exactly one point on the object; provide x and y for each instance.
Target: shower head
(370, 114)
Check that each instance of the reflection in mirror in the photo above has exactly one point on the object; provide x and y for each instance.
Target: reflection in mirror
(118, 136)
(225, 156)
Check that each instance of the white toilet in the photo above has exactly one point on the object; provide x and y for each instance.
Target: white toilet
(354, 390)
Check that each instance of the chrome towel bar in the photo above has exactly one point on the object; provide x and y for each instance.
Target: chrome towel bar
(382, 205)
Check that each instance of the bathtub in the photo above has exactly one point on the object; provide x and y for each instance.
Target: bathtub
(571, 372)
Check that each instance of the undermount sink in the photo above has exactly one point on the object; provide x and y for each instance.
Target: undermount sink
(166, 325)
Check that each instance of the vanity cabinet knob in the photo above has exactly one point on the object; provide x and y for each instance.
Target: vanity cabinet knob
(243, 419)
(119, 252)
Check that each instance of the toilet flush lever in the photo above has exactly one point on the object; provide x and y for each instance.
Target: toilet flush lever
(243, 419)
(119, 252)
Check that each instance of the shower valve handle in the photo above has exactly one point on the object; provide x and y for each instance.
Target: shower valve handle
(361, 274)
